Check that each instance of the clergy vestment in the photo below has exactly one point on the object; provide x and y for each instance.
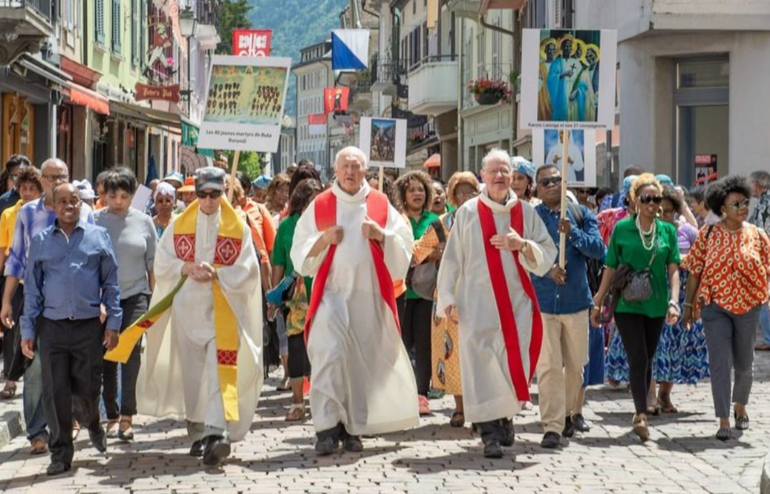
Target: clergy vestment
(203, 355)
(362, 376)
(465, 280)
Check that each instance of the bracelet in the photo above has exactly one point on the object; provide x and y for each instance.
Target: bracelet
(687, 304)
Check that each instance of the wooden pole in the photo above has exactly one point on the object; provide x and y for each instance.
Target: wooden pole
(563, 207)
(381, 180)
(234, 170)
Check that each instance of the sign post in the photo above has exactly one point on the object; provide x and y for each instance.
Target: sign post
(563, 213)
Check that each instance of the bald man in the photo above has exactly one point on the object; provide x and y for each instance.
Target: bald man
(354, 243)
(72, 272)
(34, 217)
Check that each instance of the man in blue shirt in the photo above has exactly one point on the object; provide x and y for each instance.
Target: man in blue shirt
(33, 218)
(72, 273)
(565, 299)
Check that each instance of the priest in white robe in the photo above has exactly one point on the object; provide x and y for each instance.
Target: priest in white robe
(495, 243)
(354, 243)
(204, 326)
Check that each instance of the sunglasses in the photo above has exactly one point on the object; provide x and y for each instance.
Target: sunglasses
(547, 182)
(649, 199)
(740, 204)
(214, 194)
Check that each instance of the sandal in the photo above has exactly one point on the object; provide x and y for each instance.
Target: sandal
(641, 428)
(75, 429)
(723, 434)
(457, 420)
(284, 385)
(39, 447)
(126, 434)
(8, 393)
(741, 422)
(296, 412)
(665, 406)
(112, 428)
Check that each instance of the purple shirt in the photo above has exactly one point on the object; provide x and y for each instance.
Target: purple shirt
(685, 235)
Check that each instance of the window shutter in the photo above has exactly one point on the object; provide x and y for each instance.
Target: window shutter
(99, 19)
(116, 27)
(134, 33)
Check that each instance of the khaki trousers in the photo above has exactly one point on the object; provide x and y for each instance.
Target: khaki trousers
(560, 367)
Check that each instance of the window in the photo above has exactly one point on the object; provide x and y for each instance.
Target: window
(99, 21)
(117, 27)
(134, 33)
(142, 34)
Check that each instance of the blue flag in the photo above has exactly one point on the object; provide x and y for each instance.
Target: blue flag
(350, 49)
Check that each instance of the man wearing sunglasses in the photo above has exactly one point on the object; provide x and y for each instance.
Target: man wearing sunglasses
(565, 299)
(204, 326)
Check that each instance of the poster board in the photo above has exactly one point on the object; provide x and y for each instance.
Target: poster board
(245, 103)
(547, 149)
(568, 79)
(383, 141)
(706, 170)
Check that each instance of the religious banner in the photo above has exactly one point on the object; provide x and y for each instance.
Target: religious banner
(245, 103)
(252, 42)
(568, 79)
(705, 169)
(547, 149)
(383, 141)
(336, 99)
(165, 93)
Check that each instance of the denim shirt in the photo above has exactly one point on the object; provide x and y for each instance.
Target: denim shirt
(582, 244)
(70, 277)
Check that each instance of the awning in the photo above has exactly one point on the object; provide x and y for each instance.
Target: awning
(44, 69)
(433, 162)
(90, 99)
(147, 115)
(500, 4)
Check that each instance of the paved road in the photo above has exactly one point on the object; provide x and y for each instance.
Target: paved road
(276, 457)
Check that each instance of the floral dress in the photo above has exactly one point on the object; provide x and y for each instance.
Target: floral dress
(445, 351)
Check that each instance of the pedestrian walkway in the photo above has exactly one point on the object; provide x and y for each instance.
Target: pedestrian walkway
(681, 457)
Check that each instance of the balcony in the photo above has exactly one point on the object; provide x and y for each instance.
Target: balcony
(361, 93)
(208, 11)
(24, 25)
(433, 85)
(387, 72)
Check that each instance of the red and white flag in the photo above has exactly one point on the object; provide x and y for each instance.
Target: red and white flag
(316, 124)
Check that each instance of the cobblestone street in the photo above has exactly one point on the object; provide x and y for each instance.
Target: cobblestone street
(682, 455)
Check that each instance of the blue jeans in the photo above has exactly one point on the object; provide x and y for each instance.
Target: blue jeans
(764, 323)
(33, 402)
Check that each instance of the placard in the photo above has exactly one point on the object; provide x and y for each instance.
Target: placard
(547, 149)
(245, 103)
(706, 169)
(383, 141)
(568, 79)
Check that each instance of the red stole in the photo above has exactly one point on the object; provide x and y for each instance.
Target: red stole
(325, 218)
(503, 300)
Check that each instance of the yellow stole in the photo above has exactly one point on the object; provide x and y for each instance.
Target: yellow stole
(226, 252)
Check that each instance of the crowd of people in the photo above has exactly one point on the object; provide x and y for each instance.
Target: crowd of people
(373, 298)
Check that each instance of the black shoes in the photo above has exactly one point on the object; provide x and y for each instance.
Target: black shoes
(493, 449)
(551, 440)
(569, 428)
(723, 434)
(326, 445)
(57, 468)
(98, 439)
(510, 434)
(329, 441)
(579, 423)
(196, 450)
(350, 443)
(741, 423)
(217, 449)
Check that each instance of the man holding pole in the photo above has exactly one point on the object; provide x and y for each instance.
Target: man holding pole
(565, 299)
(354, 243)
(497, 240)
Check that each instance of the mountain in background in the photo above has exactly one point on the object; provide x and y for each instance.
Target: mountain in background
(295, 24)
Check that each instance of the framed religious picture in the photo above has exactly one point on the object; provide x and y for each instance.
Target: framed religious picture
(383, 141)
(568, 79)
(547, 149)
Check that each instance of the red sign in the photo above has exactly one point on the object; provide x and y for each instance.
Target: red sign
(336, 99)
(165, 93)
(252, 42)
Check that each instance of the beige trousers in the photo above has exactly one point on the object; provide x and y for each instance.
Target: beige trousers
(560, 367)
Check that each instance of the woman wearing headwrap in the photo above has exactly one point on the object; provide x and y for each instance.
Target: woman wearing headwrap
(523, 179)
(165, 200)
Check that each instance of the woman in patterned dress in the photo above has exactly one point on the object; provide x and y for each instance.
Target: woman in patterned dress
(444, 341)
(681, 356)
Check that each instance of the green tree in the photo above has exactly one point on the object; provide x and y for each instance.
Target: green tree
(234, 16)
(250, 163)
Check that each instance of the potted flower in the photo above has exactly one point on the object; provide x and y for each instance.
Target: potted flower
(490, 91)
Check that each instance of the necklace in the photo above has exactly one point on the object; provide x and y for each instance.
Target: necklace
(649, 234)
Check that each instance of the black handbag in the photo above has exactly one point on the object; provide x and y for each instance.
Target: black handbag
(638, 287)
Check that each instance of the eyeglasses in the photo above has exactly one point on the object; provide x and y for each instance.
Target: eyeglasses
(212, 194)
(649, 199)
(62, 177)
(500, 171)
(740, 204)
(583, 191)
(547, 182)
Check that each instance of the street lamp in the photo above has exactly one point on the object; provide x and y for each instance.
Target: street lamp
(187, 28)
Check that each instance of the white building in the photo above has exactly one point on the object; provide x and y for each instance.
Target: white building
(693, 81)
(313, 73)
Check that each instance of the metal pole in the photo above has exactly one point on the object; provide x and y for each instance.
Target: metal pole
(189, 79)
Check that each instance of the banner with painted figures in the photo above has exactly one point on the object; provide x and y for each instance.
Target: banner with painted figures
(568, 79)
(245, 103)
